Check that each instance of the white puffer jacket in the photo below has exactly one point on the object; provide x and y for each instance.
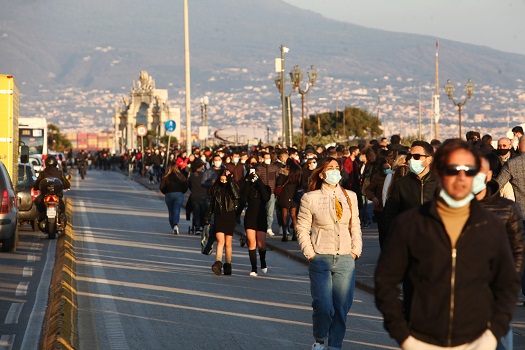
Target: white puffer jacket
(328, 235)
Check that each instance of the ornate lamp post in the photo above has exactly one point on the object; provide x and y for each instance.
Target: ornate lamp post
(449, 89)
(296, 76)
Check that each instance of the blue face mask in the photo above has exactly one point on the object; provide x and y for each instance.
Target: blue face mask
(478, 183)
(332, 177)
(453, 203)
(416, 166)
(387, 171)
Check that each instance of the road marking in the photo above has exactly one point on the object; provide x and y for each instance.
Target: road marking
(21, 289)
(31, 258)
(28, 271)
(34, 325)
(14, 312)
(112, 325)
(7, 341)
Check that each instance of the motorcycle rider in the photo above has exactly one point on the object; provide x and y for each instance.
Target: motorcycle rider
(82, 163)
(51, 170)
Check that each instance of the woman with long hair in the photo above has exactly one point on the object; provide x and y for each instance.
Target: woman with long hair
(173, 185)
(329, 234)
(224, 194)
(255, 223)
(288, 200)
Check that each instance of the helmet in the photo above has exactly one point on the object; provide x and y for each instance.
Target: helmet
(51, 161)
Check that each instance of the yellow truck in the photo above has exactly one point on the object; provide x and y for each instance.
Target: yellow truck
(9, 110)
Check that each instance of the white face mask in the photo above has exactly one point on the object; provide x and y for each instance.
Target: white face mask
(236, 160)
(203, 158)
(268, 161)
(217, 164)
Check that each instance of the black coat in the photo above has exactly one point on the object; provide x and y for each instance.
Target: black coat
(510, 214)
(478, 275)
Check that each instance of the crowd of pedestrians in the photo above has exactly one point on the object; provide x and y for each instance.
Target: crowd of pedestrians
(449, 217)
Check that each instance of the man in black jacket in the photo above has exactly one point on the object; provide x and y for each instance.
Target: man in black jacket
(458, 260)
(51, 170)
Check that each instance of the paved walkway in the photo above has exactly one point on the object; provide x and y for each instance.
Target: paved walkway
(365, 265)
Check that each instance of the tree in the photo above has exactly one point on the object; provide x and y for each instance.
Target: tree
(357, 123)
(56, 140)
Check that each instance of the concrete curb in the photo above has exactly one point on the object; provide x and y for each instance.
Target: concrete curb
(60, 329)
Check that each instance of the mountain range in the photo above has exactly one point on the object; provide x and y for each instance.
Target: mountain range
(103, 44)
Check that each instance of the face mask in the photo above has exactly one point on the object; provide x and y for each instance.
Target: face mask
(333, 177)
(243, 161)
(478, 183)
(217, 164)
(309, 157)
(268, 161)
(387, 171)
(203, 158)
(236, 160)
(296, 157)
(416, 166)
(503, 152)
(222, 184)
(453, 203)
(314, 165)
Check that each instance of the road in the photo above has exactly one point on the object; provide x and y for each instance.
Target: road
(24, 286)
(141, 287)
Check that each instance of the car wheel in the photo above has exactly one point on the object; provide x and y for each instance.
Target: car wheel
(9, 244)
(34, 225)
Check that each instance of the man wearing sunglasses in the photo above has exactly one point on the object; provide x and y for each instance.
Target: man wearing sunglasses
(456, 256)
(415, 188)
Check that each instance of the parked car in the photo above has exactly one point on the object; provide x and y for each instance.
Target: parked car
(28, 214)
(8, 212)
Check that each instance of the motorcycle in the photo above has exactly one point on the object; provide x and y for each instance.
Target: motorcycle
(52, 192)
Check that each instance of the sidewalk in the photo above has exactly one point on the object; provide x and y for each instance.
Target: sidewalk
(365, 265)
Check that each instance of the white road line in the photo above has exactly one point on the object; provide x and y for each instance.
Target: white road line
(7, 341)
(28, 271)
(31, 258)
(112, 324)
(14, 312)
(34, 325)
(21, 289)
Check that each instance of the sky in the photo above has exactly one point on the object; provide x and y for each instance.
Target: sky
(498, 24)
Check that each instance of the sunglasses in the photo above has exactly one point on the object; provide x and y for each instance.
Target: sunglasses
(453, 170)
(415, 156)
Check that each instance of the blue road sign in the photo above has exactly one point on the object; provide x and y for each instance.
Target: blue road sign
(170, 125)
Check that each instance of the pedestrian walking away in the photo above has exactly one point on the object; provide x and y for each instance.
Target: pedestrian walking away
(173, 185)
(329, 234)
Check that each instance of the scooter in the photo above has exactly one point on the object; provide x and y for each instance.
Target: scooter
(52, 192)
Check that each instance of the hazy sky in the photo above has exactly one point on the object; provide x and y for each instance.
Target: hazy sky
(498, 24)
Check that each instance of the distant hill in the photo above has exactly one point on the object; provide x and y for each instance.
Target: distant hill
(101, 44)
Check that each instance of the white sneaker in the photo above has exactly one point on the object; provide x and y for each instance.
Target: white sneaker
(175, 230)
(317, 346)
(264, 270)
(253, 274)
(270, 233)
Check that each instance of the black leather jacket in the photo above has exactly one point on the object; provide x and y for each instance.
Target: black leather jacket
(510, 214)
(231, 197)
(52, 172)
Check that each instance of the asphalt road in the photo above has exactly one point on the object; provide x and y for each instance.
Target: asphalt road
(24, 286)
(141, 287)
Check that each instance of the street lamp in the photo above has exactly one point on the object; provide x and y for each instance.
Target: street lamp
(449, 89)
(279, 83)
(296, 76)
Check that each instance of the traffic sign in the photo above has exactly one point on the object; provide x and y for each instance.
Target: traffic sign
(142, 130)
(170, 125)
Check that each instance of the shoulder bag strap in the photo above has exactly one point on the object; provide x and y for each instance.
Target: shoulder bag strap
(350, 206)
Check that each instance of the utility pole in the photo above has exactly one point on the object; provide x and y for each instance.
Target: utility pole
(187, 76)
(436, 94)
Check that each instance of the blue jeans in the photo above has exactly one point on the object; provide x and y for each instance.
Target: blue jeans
(507, 342)
(174, 203)
(332, 281)
(270, 208)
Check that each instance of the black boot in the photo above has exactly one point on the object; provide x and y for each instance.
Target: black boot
(217, 267)
(285, 235)
(294, 236)
(227, 269)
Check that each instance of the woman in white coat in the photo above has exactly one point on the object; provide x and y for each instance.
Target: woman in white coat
(329, 234)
